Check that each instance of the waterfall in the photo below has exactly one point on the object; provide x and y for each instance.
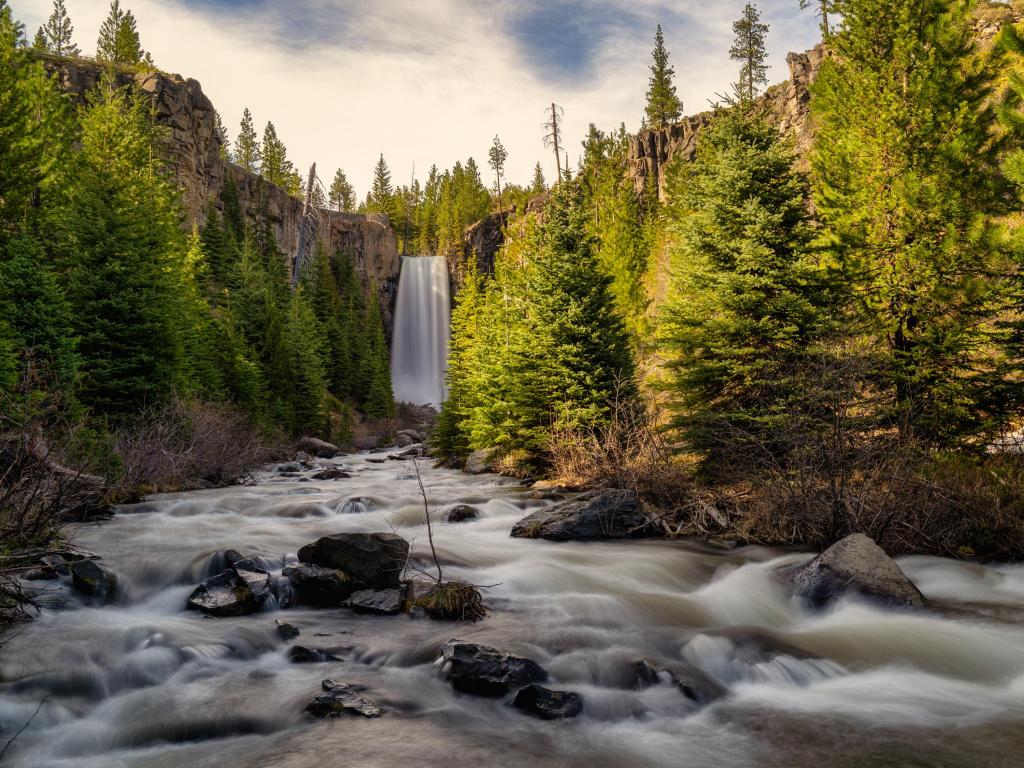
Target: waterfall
(419, 349)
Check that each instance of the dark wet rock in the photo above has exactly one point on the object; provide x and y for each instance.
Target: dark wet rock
(341, 699)
(369, 560)
(332, 473)
(479, 462)
(613, 514)
(411, 452)
(376, 461)
(386, 602)
(460, 513)
(694, 684)
(92, 579)
(237, 591)
(58, 563)
(41, 574)
(315, 585)
(472, 668)
(645, 674)
(855, 565)
(300, 654)
(289, 469)
(547, 704)
(319, 448)
(285, 630)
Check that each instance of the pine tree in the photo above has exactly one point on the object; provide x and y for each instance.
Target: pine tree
(58, 32)
(663, 106)
(306, 383)
(496, 159)
(39, 41)
(8, 358)
(277, 168)
(745, 307)
(124, 260)
(378, 400)
(247, 148)
(118, 41)
(38, 316)
(538, 186)
(222, 135)
(823, 10)
(451, 436)
(907, 187)
(35, 133)
(749, 49)
(380, 198)
(342, 196)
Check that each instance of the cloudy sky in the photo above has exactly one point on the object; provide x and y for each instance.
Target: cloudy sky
(432, 81)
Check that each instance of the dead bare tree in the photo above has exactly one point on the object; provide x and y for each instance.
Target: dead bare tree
(553, 137)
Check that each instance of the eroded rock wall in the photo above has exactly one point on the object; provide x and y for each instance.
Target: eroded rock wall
(194, 157)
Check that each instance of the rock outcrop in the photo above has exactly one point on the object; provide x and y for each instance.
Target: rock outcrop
(785, 104)
(194, 158)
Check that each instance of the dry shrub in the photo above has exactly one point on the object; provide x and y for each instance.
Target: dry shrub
(630, 452)
(186, 444)
(452, 601)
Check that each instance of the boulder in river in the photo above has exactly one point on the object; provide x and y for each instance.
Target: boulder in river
(92, 579)
(386, 602)
(341, 699)
(855, 565)
(547, 704)
(319, 448)
(368, 560)
(472, 668)
(236, 591)
(460, 513)
(285, 630)
(611, 514)
(300, 654)
(319, 586)
(332, 473)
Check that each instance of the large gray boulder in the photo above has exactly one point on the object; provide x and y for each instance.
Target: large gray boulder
(237, 591)
(368, 560)
(318, 586)
(479, 462)
(319, 448)
(611, 514)
(384, 602)
(472, 668)
(855, 565)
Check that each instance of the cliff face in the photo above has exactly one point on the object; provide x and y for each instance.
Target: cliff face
(194, 158)
(786, 105)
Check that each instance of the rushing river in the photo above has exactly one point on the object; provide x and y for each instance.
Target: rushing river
(145, 683)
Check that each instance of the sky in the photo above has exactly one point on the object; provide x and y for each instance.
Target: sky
(433, 81)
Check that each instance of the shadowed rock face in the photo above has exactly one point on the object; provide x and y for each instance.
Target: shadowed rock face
(368, 560)
(484, 671)
(855, 565)
(194, 159)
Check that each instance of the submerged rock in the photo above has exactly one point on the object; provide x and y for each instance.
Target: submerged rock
(386, 602)
(858, 565)
(547, 704)
(368, 560)
(300, 654)
(92, 579)
(613, 514)
(460, 513)
(472, 668)
(341, 699)
(237, 591)
(318, 586)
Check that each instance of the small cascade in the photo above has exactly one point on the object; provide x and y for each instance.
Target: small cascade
(419, 349)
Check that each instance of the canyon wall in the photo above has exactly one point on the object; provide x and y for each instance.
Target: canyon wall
(194, 158)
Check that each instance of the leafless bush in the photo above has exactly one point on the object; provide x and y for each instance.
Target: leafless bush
(187, 443)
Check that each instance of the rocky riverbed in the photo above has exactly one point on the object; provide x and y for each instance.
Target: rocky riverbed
(634, 651)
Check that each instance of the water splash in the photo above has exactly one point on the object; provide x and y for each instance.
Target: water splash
(419, 351)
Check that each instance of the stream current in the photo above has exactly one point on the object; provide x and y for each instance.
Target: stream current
(144, 683)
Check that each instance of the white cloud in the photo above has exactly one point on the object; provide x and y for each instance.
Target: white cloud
(429, 81)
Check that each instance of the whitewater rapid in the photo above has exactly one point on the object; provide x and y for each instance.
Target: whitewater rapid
(145, 683)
